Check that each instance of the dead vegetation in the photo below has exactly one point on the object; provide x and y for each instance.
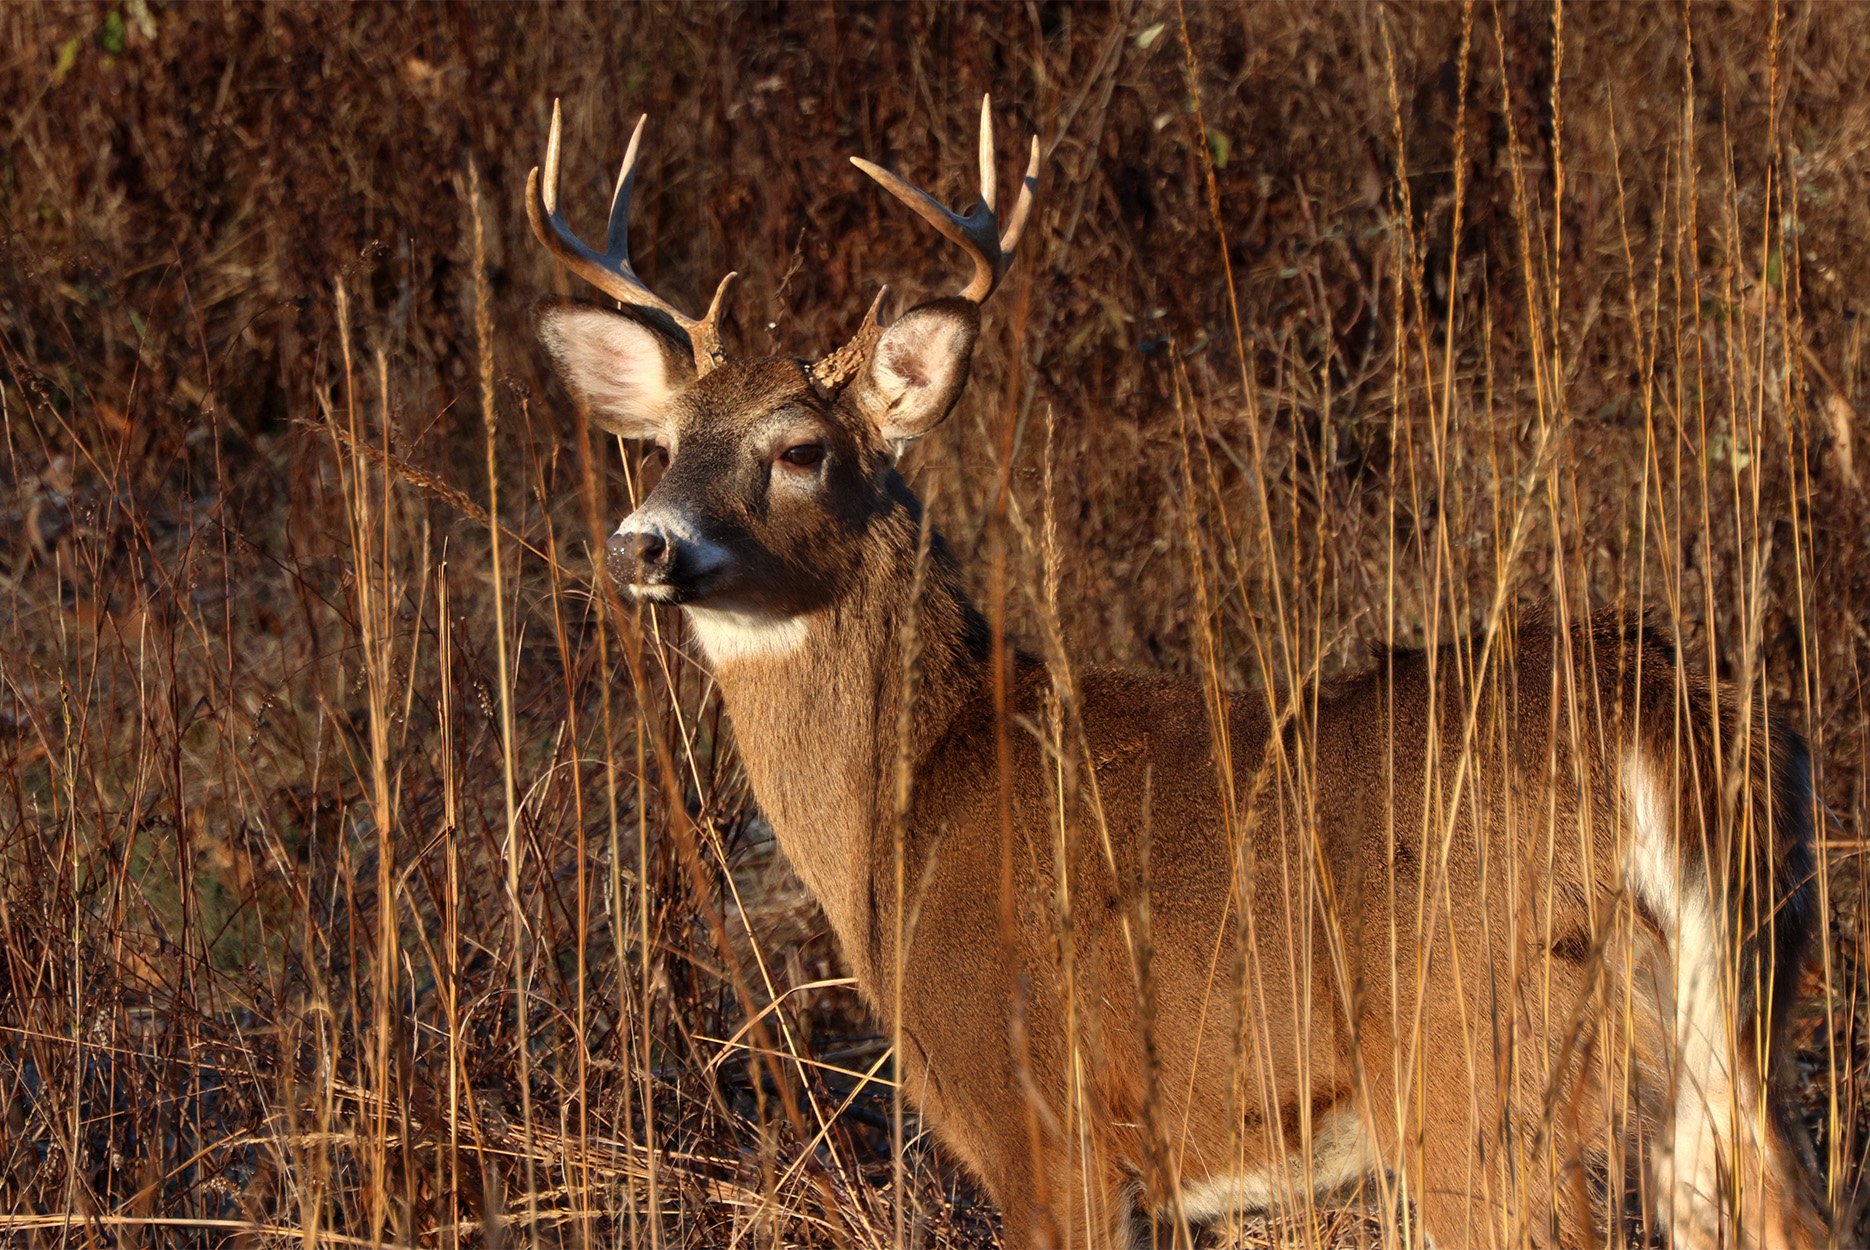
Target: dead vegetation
(370, 877)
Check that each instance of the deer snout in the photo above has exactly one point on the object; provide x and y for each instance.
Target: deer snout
(643, 548)
(663, 553)
(637, 557)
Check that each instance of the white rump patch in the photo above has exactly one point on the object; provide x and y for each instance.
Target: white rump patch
(1654, 870)
(730, 634)
(1341, 1155)
(1698, 1140)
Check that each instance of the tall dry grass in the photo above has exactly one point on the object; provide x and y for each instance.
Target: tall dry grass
(370, 875)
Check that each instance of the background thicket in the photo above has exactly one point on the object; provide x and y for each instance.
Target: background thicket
(1335, 325)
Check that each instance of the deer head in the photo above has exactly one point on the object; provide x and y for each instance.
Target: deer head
(775, 467)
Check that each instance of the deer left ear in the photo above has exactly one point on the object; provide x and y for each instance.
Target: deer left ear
(918, 368)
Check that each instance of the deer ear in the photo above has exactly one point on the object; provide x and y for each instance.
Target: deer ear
(918, 368)
(628, 370)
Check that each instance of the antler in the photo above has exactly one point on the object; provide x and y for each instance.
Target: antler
(610, 271)
(979, 231)
(835, 370)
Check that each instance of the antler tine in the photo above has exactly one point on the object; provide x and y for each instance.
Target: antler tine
(617, 235)
(831, 373)
(1022, 207)
(551, 166)
(989, 180)
(611, 271)
(979, 231)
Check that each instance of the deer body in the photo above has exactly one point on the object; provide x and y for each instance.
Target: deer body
(1480, 954)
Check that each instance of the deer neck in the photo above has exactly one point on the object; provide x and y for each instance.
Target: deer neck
(814, 701)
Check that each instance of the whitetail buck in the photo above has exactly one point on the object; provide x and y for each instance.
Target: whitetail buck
(1506, 946)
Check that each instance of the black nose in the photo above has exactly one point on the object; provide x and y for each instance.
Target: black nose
(647, 548)
(635, 552)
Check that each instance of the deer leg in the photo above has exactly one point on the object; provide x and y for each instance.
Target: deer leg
(1092, 1203)
(1425, 1137)
(1494, 1152)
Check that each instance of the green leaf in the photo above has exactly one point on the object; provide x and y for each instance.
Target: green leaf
(1221, 146)
(67, 57)
(113, 32)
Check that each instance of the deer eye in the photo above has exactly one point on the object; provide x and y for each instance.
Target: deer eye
(662, 455)
(804, 456)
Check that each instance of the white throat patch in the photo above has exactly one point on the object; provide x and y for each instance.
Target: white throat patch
(730, 634)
